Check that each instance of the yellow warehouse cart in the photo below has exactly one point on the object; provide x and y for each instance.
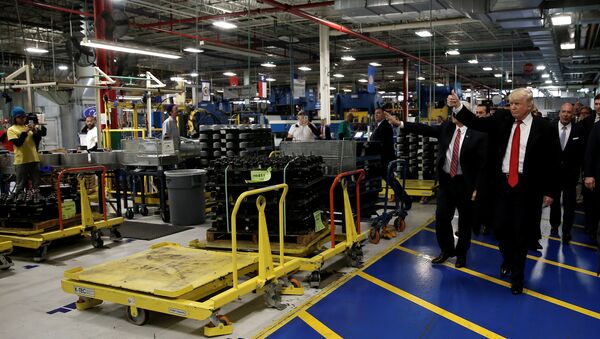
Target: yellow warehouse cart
(39, 240)
(5, 249)
(190, 283)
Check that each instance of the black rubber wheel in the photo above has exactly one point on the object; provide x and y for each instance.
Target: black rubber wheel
(165, 216)
(115, 235)
(9, 261)
(40, 254)
(400, 224)
(315, 279)
(142, 316)
(97, 241)
(136, 209)
(144, 210)
(129, 214)
(374, 235)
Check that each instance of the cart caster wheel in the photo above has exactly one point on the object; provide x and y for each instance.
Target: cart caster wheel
(115, 235)
(144, 210)
(164, 215)
(374, 235)
(218, 325)
(137, 316)
(354, 256)
(97, 239)
(40, 254)
(400, 224)
(5, 262)
(136, 209)
(129, 214)
(315, 279)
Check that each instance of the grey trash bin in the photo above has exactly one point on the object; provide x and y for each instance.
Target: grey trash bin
(186, 196)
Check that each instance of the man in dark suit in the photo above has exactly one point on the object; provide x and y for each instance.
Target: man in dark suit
(590, 204)
(324, 130)
(460, 164)
(384, 135)
(572, 147)
(591, 174)
(526, 163)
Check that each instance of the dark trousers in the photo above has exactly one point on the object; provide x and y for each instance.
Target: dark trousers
(569, 197)
(516, 212)
(453, 195)
(24, 172)
(591, 201)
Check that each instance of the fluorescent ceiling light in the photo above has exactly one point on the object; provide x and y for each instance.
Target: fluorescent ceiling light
(63, 67)
(487, 68)
(332, 88)
(338, 75)
(119, 47)
(452, 52)
(347, 90)
(439, 84)
(268, 64)
(193, 50)
(363, 80)
(270, 79)
(36, 50)
(421, 78)
(305, 68)
(540, 67)
(400, 72)
(545, 75)
(177, 79)
(498, 75)
(473, 61)
(348, 58)
(224, 24)
(567, 45)
(561, 20)
(374, 64)
(194, 74)
(219, 91)
(381, 92)
(548, 81)
(229, 74)
(423, 33)
(508, 80)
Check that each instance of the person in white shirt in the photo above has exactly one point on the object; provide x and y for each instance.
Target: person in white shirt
(170, 130)
(303, 130)
(91, 134)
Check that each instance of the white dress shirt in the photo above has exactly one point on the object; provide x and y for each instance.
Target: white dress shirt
(448, 161)
(91, 138)
(568, 132)
(301, 133)
(525, 129)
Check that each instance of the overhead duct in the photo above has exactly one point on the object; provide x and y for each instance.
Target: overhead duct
(412, 25)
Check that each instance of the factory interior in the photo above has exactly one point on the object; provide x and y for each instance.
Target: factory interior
(299, 168)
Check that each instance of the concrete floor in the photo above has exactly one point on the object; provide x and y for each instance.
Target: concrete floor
(34, 306)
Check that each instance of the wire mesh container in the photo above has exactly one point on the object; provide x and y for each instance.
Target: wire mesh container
(338, 155)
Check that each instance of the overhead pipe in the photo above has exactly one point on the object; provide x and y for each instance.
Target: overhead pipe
(259, 11)
(56, 8)
(343, 29)
(412, 25)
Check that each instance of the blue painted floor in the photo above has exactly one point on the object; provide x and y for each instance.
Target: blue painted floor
(402, 295)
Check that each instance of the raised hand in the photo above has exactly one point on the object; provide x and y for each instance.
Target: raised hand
(453, 100)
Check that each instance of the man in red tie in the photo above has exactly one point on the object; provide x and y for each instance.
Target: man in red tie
(525, 167)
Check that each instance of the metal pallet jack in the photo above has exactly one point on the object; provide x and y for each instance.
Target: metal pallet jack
(190, 283)
(5, 249)
(379, 227)
(39, 240)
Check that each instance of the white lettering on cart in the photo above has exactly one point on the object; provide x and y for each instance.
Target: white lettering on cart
(177, 311)
(83, 291)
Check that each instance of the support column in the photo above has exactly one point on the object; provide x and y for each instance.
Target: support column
(405, 89)
(324, 79)
(29, 107)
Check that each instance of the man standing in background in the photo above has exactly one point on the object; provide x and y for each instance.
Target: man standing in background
(170, 130)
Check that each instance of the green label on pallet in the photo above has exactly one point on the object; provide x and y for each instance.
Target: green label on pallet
(318, 221)
(259, 176)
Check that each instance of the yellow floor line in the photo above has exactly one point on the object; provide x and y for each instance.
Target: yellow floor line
(497, 281)
(317, 325)
(431, 307)
(533, 257)
(574, 243)
(333, 286)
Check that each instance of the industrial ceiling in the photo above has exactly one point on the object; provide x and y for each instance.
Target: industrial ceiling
(505, 36)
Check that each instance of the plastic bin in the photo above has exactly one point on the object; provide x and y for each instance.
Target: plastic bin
(186, 196)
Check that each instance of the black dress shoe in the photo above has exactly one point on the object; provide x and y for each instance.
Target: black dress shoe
(566, 239)
(554, 232)
(461, 261)
(516, 288)
(504, 271)
(441, 258)
(535, 245)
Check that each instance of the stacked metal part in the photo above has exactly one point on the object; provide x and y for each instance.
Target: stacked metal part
(219, 141)
(428, 158)
(407, 150)
(305, 199)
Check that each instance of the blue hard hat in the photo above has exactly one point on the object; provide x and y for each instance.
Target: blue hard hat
(18, 112)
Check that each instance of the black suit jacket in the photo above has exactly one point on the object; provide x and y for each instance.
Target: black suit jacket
(591, 166)
(472, 155)
(571, 158)
(540, 168)
(327, 132)
(384, 134)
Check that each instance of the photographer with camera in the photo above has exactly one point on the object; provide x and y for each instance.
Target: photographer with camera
(26, 135)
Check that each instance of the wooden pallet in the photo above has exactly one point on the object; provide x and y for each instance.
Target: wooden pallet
(22, 225)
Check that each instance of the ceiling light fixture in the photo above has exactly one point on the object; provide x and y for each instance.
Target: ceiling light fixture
(229, 74)
(400, 72)
(348, 58)
(332, 88)
(567, 45)
(424, 33)
(194, 74)
(473, 61)
(540, 67)
(363, 80)
(421, 78)
(338, 75)
(545, 75)
(439, 84)
(268, 64)
(270, 79)
(509, 80)
(548, 81)
(374, 64)
(177, 79)
(63, 67)
(305, 68)
(498, 75)
(193, 50)
(224, 24)
(36, 50)
(119, 47)
(347, 90)
(452, 52)
(561, 20)
(487, 68)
